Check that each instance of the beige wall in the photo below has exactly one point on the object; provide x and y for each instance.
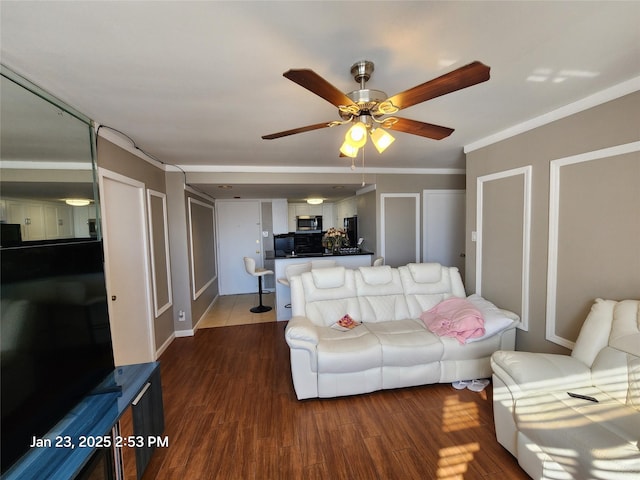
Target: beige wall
(367, 220)
(118, 160)
(598, 203)
(409, 184)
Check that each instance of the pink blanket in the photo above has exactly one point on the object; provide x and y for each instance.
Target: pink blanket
(455, 317)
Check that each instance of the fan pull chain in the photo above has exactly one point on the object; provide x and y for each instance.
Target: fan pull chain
(363, 167)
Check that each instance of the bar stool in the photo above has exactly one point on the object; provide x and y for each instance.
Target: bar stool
(250, 267)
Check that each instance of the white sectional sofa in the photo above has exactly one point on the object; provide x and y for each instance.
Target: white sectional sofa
(392, 347)
(555, 436)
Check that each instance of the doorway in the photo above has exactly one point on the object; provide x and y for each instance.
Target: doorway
(238, 224)
(127, 268)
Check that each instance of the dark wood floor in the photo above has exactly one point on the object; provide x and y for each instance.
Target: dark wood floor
(231, 413)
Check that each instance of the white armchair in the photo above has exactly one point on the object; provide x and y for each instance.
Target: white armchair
(556, 436)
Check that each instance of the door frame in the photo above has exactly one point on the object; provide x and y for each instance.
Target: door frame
(144, 244)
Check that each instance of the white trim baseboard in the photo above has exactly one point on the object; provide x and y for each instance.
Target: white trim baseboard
(165, 345)
(185, 333)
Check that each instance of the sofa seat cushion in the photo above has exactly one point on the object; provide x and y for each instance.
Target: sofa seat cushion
(351, 351)
(604, 435)
(454, 350)
(406, 342)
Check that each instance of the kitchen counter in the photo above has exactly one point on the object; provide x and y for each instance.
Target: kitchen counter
(319, 255)
(283, 293)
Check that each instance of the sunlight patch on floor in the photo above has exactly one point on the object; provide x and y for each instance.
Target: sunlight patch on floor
(457, 415)
(454, 461)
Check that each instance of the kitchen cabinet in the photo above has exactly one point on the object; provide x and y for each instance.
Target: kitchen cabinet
(345, 208)
(81, 216)
(299, 209)
(280, 213)
(328, 216)
(40, 220)
(30, 217)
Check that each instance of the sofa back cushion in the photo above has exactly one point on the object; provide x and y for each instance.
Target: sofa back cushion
(325, 295)
(380, 294)
(616, 368)
(625, 327)
(594, 333)
(427, 284)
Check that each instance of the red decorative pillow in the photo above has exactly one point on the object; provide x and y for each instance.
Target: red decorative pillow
(345, 323)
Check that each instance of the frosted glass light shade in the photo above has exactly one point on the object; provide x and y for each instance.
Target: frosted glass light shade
(357, 135)
(349, 150)
(381, 139)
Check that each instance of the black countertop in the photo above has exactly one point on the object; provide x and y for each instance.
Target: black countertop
(320, 255)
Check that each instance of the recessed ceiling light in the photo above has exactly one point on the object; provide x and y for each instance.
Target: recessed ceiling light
(314, 201)
(77, 202)
(225, 187)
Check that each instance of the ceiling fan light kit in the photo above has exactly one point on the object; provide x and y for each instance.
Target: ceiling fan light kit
(367, 109)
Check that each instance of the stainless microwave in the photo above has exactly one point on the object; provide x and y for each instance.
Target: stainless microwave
(306, 223)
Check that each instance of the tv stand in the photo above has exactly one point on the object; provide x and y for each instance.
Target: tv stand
(94, 424)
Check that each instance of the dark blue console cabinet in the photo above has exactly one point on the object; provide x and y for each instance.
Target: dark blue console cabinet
(93, 427)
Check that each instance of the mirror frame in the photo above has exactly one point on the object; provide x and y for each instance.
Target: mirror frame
(57, 103)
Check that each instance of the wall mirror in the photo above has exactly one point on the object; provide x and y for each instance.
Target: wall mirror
(47, 167)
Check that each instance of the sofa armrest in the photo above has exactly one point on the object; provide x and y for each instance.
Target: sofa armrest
(512, 315)
(301, 333)
(526, 372)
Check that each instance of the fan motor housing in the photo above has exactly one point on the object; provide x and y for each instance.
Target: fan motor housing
(367, 99)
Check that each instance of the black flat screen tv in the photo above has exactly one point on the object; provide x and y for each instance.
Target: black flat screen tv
(55, 336)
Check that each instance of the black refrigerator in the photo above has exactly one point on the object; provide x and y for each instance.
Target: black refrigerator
(351, 227)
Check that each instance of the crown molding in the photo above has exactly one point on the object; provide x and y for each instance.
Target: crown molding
(340, 170)
(617, 91)
(125, 143)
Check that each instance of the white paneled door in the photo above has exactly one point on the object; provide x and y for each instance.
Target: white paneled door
(127, 268)
(239, 235)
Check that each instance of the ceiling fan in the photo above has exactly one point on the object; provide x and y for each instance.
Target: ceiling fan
(368, 110)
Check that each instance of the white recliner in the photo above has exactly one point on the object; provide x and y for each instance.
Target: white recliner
(557, 436)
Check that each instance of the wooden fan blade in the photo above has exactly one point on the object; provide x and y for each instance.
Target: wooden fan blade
(435, 132)
(286, 133)
(316, 84)
(463, 77)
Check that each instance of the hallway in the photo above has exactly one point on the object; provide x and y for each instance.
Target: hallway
(234, 310)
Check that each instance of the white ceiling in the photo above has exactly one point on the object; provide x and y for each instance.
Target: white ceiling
(197, 84)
